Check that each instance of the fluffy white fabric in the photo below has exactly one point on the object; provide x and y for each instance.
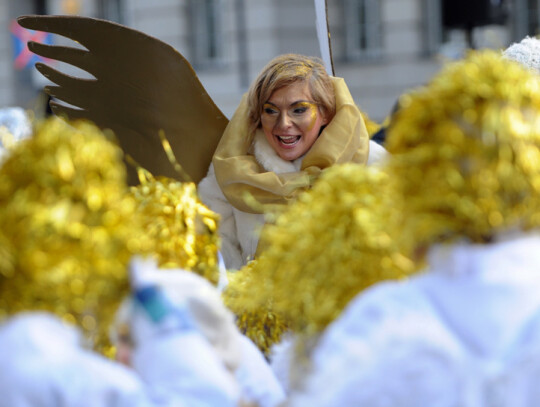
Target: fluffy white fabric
(377, 154)
(256, 379)
(202, 303)
(282, 359)
(526, 52)
(44, 365)
(239, 231)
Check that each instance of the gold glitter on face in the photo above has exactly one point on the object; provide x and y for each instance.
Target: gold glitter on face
(291, 121)
(302, 113)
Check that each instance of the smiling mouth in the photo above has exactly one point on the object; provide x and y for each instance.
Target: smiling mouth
(289, 140)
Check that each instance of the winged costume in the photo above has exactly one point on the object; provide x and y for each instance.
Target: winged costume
(142, 87)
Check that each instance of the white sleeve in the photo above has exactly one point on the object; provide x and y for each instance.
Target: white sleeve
(212, 196)
(341, 360)
(281, 359)
(377, 153)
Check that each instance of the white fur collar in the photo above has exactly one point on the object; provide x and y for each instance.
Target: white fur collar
(269, 159)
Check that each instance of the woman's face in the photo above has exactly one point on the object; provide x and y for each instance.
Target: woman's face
(291, 121)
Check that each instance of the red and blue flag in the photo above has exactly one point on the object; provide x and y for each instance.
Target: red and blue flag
(23, 57)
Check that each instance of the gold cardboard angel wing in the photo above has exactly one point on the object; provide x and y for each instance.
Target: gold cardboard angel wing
(141, 86)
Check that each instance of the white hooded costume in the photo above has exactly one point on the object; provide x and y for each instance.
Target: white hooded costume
(466, 333)
(248, 371)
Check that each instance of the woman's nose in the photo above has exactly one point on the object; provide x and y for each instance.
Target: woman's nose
(284, 121)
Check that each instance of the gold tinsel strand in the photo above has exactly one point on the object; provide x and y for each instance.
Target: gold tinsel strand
(334, 241)
(68, 227)
(181, 231)
(466, 151)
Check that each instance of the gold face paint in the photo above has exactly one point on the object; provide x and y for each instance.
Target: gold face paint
(302, 113)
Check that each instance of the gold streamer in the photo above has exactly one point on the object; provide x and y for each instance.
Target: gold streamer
(181, 232)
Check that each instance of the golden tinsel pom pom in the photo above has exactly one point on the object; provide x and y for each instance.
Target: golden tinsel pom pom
(334, 241)
(466, 151)
(67, 227)
(254, 319)
(181, 230)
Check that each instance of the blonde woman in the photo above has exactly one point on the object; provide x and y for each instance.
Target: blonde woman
(294, 122)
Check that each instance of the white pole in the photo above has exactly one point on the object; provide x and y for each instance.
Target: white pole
(323, 34)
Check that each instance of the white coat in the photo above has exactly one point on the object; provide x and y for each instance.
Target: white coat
(238, 230)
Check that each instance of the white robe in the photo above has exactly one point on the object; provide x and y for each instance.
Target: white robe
(466, 333)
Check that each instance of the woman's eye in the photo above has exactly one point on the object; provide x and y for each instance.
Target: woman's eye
(269, 110)
(300, 110)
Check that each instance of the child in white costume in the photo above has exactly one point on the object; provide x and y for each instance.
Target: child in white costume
(244, 362)
(465, 157)
(45, 364)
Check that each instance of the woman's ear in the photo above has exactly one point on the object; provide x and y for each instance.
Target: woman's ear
(324, 116)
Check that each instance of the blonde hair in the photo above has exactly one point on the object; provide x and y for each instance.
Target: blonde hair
(285, 70)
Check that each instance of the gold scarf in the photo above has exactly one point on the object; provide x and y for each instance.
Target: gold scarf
(344, 139)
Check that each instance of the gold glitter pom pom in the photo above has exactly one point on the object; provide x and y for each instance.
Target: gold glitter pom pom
(255, 320)
(466, 151)
(334, 241)
(181, 230)
(68, 227)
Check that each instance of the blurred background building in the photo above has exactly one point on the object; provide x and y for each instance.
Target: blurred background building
(381, 47)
